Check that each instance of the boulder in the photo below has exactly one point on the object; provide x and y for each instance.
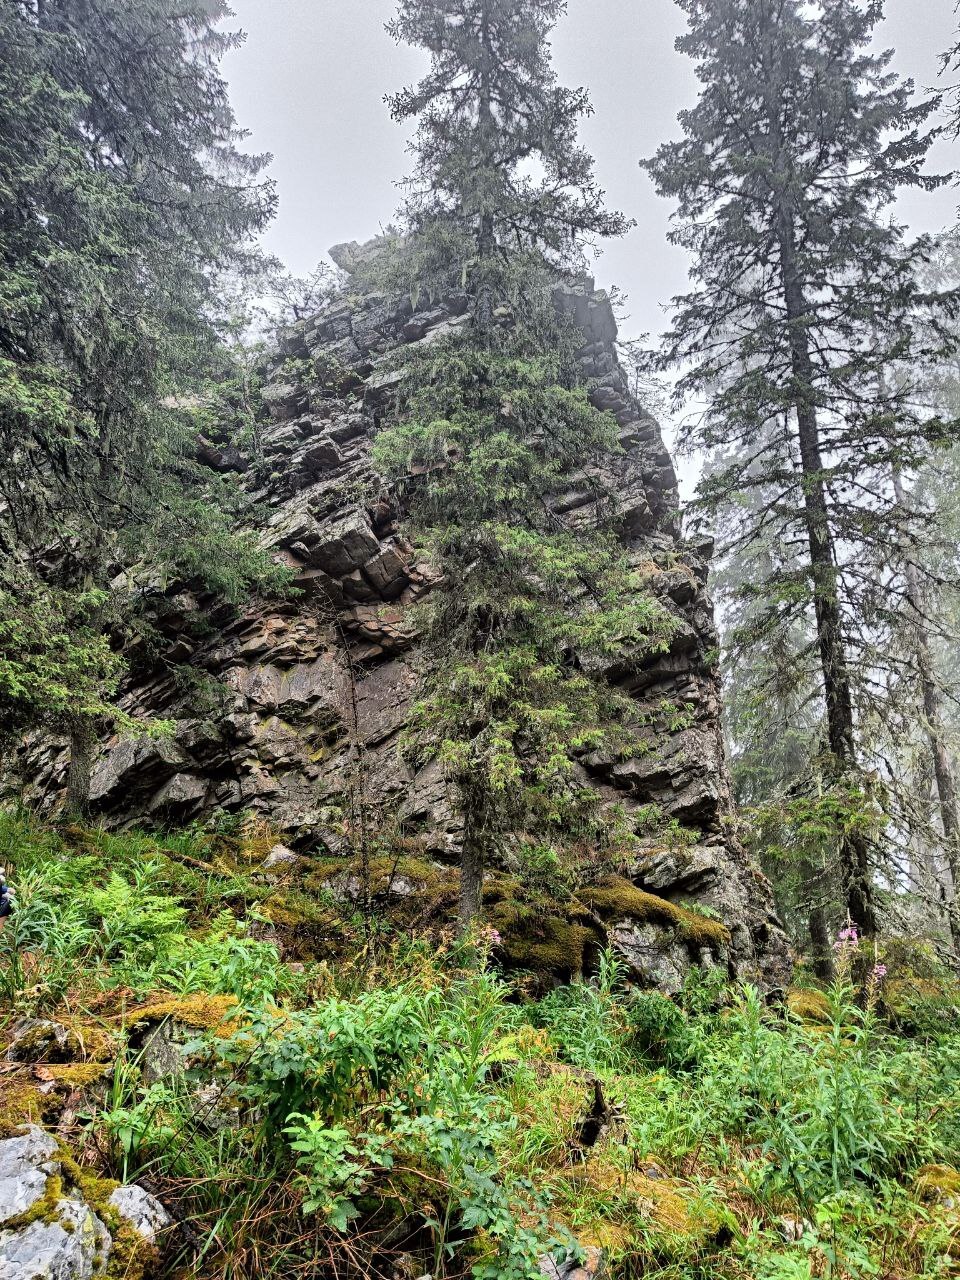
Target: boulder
(143, 1211)
(42, 1040)
(48, 1231)
(183, 795)
(26, 1161)
(653, 956)
(280, 858)
(345, 543)
(71, 1243)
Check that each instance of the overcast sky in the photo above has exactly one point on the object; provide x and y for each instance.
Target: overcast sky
(309, 85)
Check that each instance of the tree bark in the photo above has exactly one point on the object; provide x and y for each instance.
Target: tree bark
(471, 874)
(854, 850)
(82, 742)
(934, 726)
(820, 950)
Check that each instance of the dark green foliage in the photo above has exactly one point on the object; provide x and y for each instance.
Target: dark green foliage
(807, 295)
(122, 195)
(490, 114)
(492, 423)
(51, 659)
(661, 1032)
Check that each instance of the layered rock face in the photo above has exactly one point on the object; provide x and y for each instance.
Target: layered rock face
(304, 700)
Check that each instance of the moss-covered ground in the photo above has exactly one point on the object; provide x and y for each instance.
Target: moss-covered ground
(359, 1097)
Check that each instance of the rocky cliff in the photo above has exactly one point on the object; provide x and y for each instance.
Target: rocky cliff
(292, 710)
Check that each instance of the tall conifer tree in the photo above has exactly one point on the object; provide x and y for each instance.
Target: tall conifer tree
(805, 293)
(122, 194)
(502, 201)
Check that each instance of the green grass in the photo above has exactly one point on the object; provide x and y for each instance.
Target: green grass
(405, 1102)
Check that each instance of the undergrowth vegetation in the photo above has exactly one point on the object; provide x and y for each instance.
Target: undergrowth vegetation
(408, 1109)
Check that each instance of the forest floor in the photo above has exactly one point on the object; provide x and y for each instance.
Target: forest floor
(315, 1092)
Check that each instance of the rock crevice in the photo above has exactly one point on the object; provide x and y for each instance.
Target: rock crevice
(294, 692)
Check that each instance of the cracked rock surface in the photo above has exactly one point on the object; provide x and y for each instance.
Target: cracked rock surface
(47, 1229)
(294, 683)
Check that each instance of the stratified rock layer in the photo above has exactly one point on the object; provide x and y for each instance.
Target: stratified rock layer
(305, 699)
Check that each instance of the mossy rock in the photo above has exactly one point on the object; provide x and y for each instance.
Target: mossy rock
(616, 898)
(939, 1183)
(79, 1075)
(547, 935)
(303, 928)
(654, 1217)
(809, 1005)
(918, 1005)
(22, 1102)
(388, 877)
(131, 1255)
(544, 943)
(201, 1012)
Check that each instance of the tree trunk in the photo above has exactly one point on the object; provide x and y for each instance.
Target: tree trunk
(471, 875)
(486, 236)
(82, 742)
(933, 724)
(854, 850)
(820, 950)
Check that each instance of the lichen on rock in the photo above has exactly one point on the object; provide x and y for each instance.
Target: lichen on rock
(60, 1222)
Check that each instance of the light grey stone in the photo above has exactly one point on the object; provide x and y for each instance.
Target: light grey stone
(280, 856)
(653, 957)
(75, 1247)
(143, 1211)
(26, 1161)
(162, 1054)
(344, 544)
(184, 793)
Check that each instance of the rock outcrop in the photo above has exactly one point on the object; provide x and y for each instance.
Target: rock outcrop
(303, 700)
(58, 1224)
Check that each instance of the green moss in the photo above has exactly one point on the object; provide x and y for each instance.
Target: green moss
(918, 1005)
(131, 1254)
(78, 1075)
(22, 1101)
(201, 1011)
(810, 1006)
(44, 1210)
(430, 879)
(935, 1181)
(293, 910)
(616, 898)
(652, 1218)
(536, 940)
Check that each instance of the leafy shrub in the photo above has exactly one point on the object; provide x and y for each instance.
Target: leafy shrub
(661, 1031)
(586, 1022)
(401, 1078)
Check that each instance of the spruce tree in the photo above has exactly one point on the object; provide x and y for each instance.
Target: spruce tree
(527, 612)
(805, 292)
(500, 179)
(122, 195)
